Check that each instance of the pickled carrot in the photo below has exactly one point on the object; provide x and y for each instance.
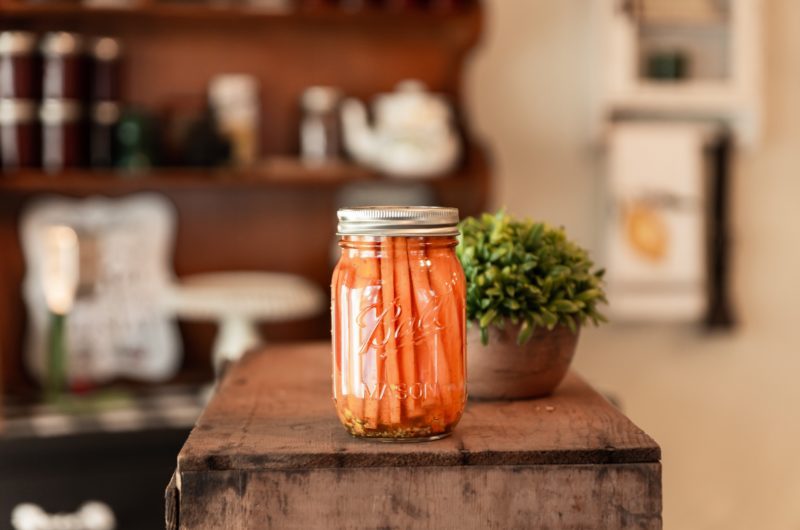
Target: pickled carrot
(444, 278)
(336, 330)
(390, 330)
(369, 338)
(405, 328)
(429, 334)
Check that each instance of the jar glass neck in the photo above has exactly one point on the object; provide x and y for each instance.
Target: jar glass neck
(412, 242)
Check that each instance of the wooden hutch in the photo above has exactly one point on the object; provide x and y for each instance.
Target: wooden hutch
(281, 216)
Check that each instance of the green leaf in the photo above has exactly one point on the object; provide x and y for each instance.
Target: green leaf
(487, 318)
(484, 336)
(565, 306)
(525, 332)
(589, 294)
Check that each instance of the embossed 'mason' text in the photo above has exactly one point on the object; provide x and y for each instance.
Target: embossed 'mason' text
(418, 390)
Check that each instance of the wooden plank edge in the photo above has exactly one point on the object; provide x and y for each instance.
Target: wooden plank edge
(582, 496)
(172, 502)
(343, 459)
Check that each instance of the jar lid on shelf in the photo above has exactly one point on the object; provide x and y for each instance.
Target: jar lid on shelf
(398, 221)
(17, 42)
(59, 111)
(106, 49)
(14, 111)
(320, 99)
(106, 112)
(59, 43)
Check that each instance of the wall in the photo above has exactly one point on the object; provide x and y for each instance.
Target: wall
(724, 407)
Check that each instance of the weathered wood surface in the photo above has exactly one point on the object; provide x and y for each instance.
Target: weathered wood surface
(435, 498)
(268, 452)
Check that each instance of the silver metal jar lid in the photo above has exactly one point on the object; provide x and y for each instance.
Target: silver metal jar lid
(398, 221)
(60, 43)
(17, 43)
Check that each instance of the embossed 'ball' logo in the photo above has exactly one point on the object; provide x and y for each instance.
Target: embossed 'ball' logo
(397, 325)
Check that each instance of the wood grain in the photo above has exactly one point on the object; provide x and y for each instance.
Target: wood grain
(274, 411)
(172, 505)
(618, 496)
(268, 452)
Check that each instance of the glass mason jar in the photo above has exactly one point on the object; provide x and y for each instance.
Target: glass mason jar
(398, 323)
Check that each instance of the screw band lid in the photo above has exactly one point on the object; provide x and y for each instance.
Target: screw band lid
(398, 221)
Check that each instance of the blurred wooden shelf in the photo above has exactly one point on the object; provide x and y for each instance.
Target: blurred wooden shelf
(168, 178)
(120, 408)
(176, 11)
(278, 174)
(280, 217)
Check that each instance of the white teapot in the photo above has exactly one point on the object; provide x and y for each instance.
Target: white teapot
(413, 133)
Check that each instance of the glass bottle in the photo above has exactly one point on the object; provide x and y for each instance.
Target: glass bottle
(62, 135)
(63, 68)
(398, 314)
(320, 135)
(18, 65)
(18, 134)
(104, 113)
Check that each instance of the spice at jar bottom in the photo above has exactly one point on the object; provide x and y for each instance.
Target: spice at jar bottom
(398, 323)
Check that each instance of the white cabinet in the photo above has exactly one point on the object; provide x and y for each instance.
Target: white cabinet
(709, 51)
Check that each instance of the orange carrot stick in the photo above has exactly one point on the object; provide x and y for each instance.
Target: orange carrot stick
(433, 365)
(389, 329)
(348, 302)
(448, 278)
(337, 345)
(367, 326)
(405, 328)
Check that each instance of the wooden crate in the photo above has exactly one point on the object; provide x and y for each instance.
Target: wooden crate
(268, 452)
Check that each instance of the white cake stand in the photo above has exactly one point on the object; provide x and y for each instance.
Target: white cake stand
(238, 301)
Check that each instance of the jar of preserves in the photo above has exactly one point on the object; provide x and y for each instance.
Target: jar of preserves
(18, 74)
(62, 134)
(398, 315)
(63, 66)
(18, 134)
(105, 79)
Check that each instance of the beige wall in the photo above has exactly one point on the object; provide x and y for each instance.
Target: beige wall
(726, 408)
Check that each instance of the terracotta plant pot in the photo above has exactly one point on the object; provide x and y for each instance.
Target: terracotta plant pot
(505, 370)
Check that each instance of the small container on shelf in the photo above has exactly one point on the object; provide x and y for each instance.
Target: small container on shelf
(320, 129)
(105, 106)
(235, 103)
(667, 65)
(18, 134)
(136, 141)
(105, 53)
(63, 68)
(103, 123)
(18, 71)
(62, 134)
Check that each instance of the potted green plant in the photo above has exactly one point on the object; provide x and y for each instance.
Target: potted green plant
(529, 291)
